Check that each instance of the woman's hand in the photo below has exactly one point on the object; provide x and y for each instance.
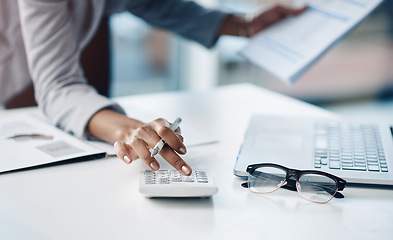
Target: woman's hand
(245, 26)
(137, 145)
(133, 139)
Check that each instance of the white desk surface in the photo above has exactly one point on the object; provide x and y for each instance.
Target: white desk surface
(99, 199)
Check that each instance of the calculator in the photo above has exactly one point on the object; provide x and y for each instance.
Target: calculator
(171, 183)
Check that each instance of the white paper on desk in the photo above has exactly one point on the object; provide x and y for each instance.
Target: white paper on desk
(289, 48)
(194, 139)
(192, 136)
(23, 152)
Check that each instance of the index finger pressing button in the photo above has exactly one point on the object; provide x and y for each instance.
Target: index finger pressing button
(177, 162)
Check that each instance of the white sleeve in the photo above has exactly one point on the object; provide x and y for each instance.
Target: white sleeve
(54, 33)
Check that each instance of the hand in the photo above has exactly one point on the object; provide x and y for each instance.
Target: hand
(133, 139)
(265, 19)
(137, 145)
(243, 26)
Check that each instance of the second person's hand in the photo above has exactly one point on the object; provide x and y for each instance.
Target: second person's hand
(249, 25)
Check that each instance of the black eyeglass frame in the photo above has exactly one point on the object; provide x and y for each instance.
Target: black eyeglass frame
(296, 174)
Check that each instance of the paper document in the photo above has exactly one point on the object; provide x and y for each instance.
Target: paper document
(27, 141)
(193, 136)
(289, 48)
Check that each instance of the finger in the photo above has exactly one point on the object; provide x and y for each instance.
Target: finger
(177, 162)
(124, 153)
(148, 135)
(151, 137)
(180, 137)
(259, 24)
(290, 11)
(141, 149)
(268, 18)
(301, 9)
(170, 137)
(130, 151)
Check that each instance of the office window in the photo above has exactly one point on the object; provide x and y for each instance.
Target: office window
(146, 60)
(140, 57)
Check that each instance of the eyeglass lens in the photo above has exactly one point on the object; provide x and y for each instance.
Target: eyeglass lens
(316, 188)
(313, 187)
(266, 179)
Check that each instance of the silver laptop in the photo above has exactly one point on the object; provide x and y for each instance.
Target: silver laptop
(361, 153)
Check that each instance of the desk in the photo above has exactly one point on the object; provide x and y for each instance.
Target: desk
(99, 199)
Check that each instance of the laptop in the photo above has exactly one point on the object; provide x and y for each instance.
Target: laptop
(360, 153)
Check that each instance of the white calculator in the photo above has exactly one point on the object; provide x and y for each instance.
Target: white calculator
(171, 183)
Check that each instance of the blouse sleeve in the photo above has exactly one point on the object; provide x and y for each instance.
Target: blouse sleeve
(183, 17)
(54, 36)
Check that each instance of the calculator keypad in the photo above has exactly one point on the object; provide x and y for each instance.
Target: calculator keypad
(174, 176)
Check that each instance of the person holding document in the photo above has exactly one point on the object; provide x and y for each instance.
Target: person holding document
(42, 40)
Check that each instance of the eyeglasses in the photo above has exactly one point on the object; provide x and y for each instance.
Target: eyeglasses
(314, 186)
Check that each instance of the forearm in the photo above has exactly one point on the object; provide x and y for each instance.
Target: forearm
(111, 126)
(53, 45)
(185, 18)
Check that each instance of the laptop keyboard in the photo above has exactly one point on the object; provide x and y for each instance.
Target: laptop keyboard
(349, 146)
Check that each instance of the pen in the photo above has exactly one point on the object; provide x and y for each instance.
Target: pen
(157, 148)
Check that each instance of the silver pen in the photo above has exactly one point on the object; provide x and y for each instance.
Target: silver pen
(157, 148)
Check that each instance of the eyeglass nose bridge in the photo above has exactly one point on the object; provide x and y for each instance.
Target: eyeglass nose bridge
(292, 174)
(290, 181)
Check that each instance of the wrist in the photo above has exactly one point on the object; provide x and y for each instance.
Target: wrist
(111, 126)
(236, 25)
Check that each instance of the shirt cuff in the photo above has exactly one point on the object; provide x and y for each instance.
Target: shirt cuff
(89, 109)
(211, 25)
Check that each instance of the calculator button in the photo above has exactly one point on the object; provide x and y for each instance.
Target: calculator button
(176, 180)
(202, 181)
(201, 175)
(188, 180)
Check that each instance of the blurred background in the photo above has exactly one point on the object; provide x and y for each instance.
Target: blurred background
(355, 78)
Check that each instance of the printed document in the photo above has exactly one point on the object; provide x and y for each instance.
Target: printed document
(27, 141)
(289, 48)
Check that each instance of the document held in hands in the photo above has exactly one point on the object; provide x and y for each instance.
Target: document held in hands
(289, 48)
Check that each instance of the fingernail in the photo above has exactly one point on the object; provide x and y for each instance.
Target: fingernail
(127, 159)
(186, 170)
(154, 166)
(183, 150)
